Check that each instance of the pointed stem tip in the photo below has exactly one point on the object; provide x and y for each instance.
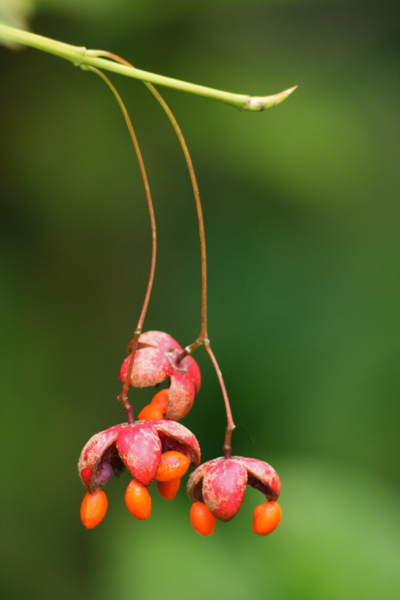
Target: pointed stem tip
(258, 103)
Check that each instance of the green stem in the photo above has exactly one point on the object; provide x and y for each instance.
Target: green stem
(81, 56)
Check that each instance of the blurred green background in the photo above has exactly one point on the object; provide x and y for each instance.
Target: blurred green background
(302, 211)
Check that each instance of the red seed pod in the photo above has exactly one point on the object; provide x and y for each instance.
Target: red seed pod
(138, 500)
(221, 483)
(172, 465)
(140, 450)
(202, 518)
(266, 517)
(98, 460)
(169, 489)
(93, 508)
(138, 447)
(156, 360)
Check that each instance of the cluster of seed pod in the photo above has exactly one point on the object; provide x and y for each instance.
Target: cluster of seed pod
(157, 447)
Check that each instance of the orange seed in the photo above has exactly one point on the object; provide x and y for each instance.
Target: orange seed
(138, 500)
(151, 411)
(173, 465)
(266, 517)
(202, 518)
(161, 399)
(169, 489)
(93, 508)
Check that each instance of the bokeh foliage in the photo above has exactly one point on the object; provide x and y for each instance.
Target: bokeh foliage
(302, 218)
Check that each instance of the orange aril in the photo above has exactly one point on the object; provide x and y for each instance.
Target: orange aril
(93, 508)
(266, 517)
(202, 518)
(151, 411)
(161, 399)
(173, 465)
(138, 500)
(169, 489)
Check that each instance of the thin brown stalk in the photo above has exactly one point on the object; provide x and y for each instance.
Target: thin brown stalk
(230, 424)
(123, 397)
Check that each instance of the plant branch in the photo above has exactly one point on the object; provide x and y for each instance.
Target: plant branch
(80, 56)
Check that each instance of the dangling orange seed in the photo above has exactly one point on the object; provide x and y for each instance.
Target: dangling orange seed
(161, 399)
(266, 517)
(151, 411)
(169, 489)
(93, 508)
(138, 500)
(202, 518)
(172, 465)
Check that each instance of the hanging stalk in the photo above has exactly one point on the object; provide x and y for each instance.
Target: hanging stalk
(123, 397)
